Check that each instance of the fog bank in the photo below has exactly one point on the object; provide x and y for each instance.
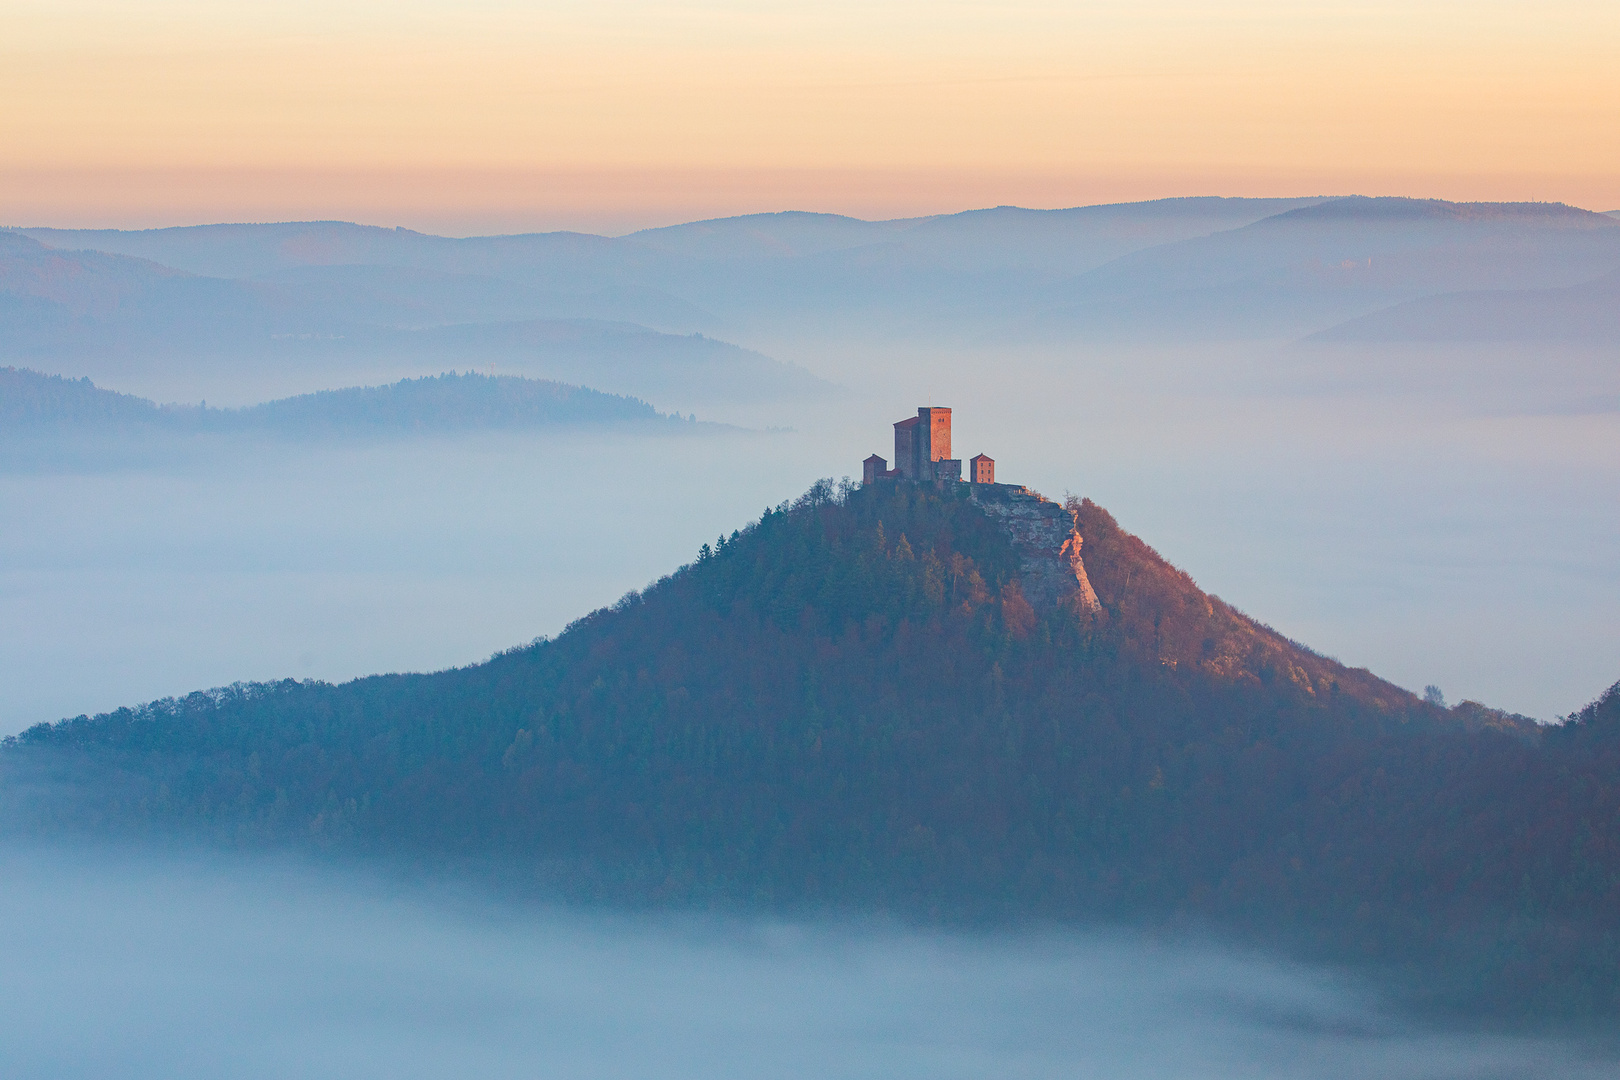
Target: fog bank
(124, 579)
(183, 967)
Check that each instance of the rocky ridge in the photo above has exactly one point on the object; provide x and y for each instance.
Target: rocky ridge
(1051, 570)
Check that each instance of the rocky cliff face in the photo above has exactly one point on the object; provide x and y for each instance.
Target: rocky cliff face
(1048, 544)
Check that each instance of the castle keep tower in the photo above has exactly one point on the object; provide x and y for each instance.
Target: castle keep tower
(934, 439)
(922, 451)
(922, 446)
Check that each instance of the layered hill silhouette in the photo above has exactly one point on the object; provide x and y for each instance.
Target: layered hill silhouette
(1198, 268)
(116, 316)
(854, 703)
(1313, 267)
(1073, 239)
(34, 403)
(706, 276)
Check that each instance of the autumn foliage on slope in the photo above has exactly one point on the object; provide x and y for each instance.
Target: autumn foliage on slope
(1160, 614)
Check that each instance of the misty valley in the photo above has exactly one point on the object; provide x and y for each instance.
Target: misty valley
(275, 967)
(428, 655)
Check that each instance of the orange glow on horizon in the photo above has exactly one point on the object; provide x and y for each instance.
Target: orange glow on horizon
(615, 115)
(616, 202)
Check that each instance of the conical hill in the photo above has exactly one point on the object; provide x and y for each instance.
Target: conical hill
(920, 700)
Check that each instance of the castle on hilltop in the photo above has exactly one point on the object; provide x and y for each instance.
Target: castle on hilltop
(922, 451)
(1045, 534)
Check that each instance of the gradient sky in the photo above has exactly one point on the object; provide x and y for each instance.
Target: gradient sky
(495, 116)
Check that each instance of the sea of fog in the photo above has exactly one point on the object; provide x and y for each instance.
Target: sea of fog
(184, 564)
(187, 966)
(1449, 516)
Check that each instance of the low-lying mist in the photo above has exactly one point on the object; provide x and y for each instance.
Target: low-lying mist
(186, 965)
(125, 577)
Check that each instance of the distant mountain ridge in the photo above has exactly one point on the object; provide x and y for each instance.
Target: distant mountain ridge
(1395, 208)
(334, 293)
(1310, 268)
(31, 401)
(709, 276)
(254, 250)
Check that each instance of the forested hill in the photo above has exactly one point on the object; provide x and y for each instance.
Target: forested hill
(35, 402)
(851, 703)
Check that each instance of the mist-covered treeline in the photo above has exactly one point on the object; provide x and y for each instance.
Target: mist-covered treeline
(33, 402)
(851, 704)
